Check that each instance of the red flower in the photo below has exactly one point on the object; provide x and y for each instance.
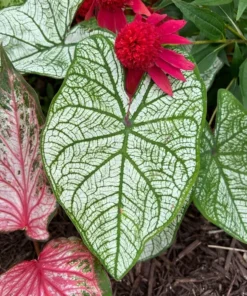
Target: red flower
(139, 48)
(110, 13)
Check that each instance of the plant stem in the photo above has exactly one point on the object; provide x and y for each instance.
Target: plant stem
(225, 41)
(239, 34)
(215, 110)
(220, 41)
(212, 117)
(36, 247)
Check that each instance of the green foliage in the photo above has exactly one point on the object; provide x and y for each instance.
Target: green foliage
(7, 3)
(205, 55)
(212, 2)
(242, 5)
(209, 23)
(236, 60)
(243, 84)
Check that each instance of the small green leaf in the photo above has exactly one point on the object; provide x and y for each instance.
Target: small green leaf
(7, 3)
(37, 35)
(236, 91)
(242, 81)
(237, 60)
(209, 23)
(121, 182)
(212, 2)
(226, 12)
(162, 4)
(220, 192)
(242, 5)
(206, 57)
(207, 61)
(165, 238)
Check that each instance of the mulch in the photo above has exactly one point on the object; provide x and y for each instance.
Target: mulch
(195, 265)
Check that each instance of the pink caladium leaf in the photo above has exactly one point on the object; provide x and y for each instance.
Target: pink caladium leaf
(26, 201)
(65, 267)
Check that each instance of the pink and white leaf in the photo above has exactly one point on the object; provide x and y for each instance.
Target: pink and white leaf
(64, 268)
(26, 201)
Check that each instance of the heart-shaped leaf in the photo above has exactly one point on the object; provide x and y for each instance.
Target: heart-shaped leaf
(37, 36)
(163, 240)
(221, 190)
(121, 181)
(64, 268)
(25, 199)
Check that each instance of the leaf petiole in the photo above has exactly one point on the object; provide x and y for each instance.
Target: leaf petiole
(36, 247)
(215, 110)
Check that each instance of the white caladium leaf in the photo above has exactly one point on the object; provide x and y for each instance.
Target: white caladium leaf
(221, 190)
(64, 268)
(163, 240)
(209, 75)
(26, 202)
(121, 181)
(37, 36)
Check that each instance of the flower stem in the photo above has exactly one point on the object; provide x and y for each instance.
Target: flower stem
(215, 110)
(36, 247)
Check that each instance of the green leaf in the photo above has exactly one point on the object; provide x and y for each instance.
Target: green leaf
(37, 38)
(102, 279)
(205, 55)
(226, 12)
(242, 81)
(220, 192)
(121, 182)
(162, 3)
(236, 91)
(209, 23)
(212, 2)
(7, 3)
(207, 61)
(242, 5)
(165, 238)
(237, 60)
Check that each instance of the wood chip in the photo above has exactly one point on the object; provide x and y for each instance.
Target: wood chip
(188, 250)
(151, 278)
(229, 255)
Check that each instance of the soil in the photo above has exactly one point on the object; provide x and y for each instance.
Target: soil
(195, 265)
